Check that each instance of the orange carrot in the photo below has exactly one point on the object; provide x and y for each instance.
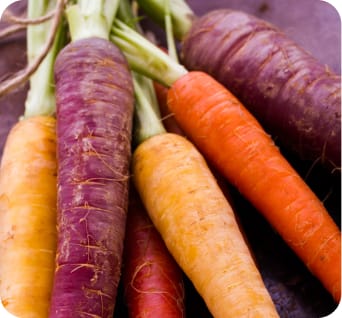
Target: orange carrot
(241, 150)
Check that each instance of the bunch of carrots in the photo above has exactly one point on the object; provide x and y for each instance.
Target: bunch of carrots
(114, 181)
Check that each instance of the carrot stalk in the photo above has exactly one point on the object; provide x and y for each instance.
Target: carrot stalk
(28, 190)
(126, 13)
(160, 66)
(181, 14)
(41, 99)
(94, 97)
(238, 147)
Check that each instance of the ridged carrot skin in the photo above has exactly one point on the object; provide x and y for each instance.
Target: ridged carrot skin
(295, 97)
(153, 281)
(238, 147)
(94, 95)
(28, 237)
(198, 226)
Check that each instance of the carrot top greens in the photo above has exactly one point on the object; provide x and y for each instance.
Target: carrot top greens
(89, 18)
(148, 122)
(144, 57)
(181, 14)
(41, 95)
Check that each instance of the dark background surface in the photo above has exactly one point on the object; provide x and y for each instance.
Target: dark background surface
(315, 25)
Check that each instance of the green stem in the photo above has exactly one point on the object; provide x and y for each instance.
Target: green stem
(127, 14)
(91, 18)
(182, 15)
(40, 98)
(171, 46)
(144, 57)
(147, 122)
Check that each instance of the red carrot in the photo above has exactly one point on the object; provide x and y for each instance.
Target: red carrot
(153, 281)
(238, 147)
(94, 96)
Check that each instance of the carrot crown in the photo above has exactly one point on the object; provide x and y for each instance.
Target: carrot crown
(90, 18)
(145, 57)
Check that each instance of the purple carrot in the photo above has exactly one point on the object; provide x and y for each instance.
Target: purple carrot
(295, 97)
(94, 111)
(94, 99)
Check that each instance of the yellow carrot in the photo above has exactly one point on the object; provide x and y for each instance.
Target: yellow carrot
(28, 217)
(28, 191)
(195, 220)
(199, 227)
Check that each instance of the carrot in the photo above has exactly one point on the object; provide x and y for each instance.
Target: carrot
(295, 97)
(167, 117)
(249, 159)
(94, 95)
(153, 280)
(238, 147)
(195, 220)
(28, 217)
(28, 186)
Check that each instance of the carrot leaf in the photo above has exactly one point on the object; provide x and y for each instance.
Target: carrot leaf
(171, 45)
(127, 12)
(144, 57)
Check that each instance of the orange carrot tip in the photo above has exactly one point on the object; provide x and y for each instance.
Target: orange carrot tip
(236, 144)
